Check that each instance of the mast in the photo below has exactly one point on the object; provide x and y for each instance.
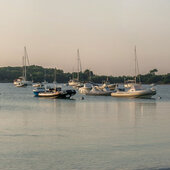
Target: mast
(136, 67)
(90, 75)
(78, 60)
(55, 75)
(45, 76)
(79, 67)
(55, 78)
(26, 55)
(23, 69)
(135, 64)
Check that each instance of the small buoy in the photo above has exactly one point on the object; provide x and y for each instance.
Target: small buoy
(82, 98)
(159, 97)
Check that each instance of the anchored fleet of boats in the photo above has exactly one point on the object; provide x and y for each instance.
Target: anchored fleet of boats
(131, 88)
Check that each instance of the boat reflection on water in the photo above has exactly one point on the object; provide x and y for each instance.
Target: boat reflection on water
(133, 111)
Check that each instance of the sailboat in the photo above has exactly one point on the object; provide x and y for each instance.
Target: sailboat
(75, 82)
(136, 90)
(22, 81)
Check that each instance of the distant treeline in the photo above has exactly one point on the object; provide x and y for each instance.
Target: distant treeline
(39, 74)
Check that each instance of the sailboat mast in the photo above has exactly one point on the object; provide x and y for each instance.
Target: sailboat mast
(25, 53)
(136, 67)
(55, 75)
(55, 78)
(26, 56)
(78, 60)
(23, 69)
(135, 63)
(45, 76)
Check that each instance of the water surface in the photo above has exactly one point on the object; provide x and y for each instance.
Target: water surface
(97, 133)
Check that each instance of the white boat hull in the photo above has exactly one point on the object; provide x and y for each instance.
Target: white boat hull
(136, 94)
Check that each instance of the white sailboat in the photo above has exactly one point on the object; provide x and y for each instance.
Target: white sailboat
(136, 90)
(75, 82)
(22, 81)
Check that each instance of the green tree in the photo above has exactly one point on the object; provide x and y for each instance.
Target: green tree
(153, 71)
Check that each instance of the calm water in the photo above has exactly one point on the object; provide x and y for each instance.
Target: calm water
(98, 133)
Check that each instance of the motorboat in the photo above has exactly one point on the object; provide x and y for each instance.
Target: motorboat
(96, 91)
(55, 93)
(19, 81)
(86, 88)
(37, 85)
(136, 91)
(21, 84)
(41, 89)
(75, 83)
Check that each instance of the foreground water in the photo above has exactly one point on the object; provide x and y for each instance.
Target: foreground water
(97, 133)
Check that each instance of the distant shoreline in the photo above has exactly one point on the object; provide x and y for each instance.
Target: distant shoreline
(39, 74)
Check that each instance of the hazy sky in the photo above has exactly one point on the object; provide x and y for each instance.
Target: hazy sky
(105, 31)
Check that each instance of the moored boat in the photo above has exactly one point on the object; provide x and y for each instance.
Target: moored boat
(86, 88)
(37, 85)
(21, 84)
(22, 81)
(96, 91)
(75, 82)
(136, 91)
(55, 93)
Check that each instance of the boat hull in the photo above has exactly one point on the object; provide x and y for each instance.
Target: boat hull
(66, 94)
(137, 94)
(48, 94)
(21, 85)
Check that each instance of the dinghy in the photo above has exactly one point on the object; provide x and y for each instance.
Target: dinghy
(136, 91)
(56, 93)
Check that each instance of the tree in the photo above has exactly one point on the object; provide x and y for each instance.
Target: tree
(153, 71)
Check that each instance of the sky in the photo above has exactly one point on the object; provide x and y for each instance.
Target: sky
(105, 32)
